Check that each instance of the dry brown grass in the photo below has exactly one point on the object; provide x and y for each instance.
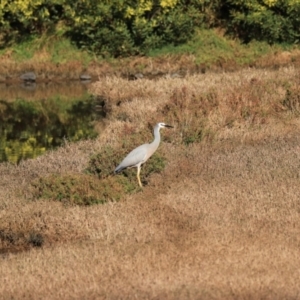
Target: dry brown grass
(220, 222)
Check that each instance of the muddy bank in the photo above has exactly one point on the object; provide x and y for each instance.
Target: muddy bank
(133, 68)
(128, 68)
(30, 78)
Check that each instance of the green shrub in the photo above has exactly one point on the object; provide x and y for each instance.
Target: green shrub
(78, 189)
(110, 28)
(274, 21)
(122, 28)
(119, 29)
(19, 20)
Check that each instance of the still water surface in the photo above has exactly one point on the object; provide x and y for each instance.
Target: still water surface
(36, 118)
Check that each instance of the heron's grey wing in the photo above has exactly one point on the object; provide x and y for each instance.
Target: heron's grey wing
(136, 156)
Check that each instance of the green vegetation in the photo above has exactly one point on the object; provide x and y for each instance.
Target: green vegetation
(51, 48)
(97, 185)
(114, 28)
(126, 28)
(78, 189)
(209, 47)
(273, 21)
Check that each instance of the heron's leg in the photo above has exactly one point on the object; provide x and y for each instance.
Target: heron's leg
(138, 176)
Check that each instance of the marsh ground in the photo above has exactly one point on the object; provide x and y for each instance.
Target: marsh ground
(221, 221)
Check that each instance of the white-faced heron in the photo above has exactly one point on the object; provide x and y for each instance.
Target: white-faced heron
(140, 155)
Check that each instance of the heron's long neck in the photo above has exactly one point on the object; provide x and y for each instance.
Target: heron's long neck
(156, 140)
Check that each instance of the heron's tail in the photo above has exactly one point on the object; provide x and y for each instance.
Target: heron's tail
(118, 169)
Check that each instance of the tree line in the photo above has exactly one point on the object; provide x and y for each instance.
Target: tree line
(128, 27)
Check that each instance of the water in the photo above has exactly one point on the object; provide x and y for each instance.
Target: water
(36, 118)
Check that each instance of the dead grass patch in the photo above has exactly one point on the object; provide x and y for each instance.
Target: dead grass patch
(220, 221)
(200, 106)
(279, 59)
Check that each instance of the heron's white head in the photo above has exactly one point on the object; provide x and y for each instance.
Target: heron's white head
(161, 125)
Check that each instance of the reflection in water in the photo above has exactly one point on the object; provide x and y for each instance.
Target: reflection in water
(37, 91)
(31, 125)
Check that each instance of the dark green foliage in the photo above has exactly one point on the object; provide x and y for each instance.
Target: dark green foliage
(104, 163)
(78, 189)
(88, 189)
(274, 21)
(102, 31)
(23, 19)
(122, 28)
(155, 164)
(108, 28)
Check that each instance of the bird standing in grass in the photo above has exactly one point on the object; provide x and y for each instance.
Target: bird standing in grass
(140, 155)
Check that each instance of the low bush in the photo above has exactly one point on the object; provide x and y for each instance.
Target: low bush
(113, 28)
(274, 21)
(78, 189)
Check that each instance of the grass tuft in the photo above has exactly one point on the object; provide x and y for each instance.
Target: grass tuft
(189, 112)
(19, 240)
(36, 239)
(291, 102)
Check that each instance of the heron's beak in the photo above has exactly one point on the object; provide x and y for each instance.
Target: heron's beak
(169, 126)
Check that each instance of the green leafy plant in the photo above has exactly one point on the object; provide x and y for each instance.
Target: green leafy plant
(110, 29)
(274, 21)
